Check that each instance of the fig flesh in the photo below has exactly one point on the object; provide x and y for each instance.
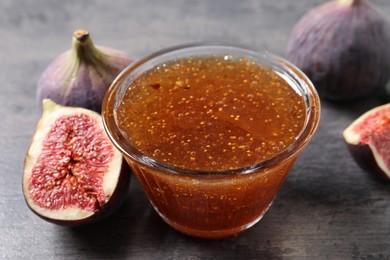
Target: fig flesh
(343, 47)
(81, 76)
(73, 174)
(368, 140)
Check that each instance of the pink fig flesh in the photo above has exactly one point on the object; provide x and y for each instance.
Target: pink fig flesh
(368, 140)
(73, 174)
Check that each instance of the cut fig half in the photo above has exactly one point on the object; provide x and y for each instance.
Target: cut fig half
(368, 140)
(73, 174)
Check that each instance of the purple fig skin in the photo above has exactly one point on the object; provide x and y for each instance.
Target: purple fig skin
(368, 142)
(343, 47)
(81, 76)
(363, 156)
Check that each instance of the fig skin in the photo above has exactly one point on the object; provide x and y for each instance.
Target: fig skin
(364, 157)
(343, 47)
(81, 76)
(363, 149)
(115, 192)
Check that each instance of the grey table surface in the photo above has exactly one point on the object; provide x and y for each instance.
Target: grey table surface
(327, 208)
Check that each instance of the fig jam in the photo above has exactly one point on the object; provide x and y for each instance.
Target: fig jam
(211, 114)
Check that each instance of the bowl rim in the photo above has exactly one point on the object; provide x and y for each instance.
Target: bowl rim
(313, 110)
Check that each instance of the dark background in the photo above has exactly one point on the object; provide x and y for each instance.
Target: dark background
(327, 208)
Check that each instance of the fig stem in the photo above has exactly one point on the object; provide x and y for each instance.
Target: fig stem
(81, 35)
(84, 50)
(350, 2)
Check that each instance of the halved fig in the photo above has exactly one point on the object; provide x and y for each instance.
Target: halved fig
(73, 174)
(368, 140)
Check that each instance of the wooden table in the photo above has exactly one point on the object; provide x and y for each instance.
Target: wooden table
(327, 208)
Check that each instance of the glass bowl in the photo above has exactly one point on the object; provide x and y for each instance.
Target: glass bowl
(210, 202)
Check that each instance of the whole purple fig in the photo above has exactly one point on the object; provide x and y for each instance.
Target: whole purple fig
(81, 76)
(344, 48)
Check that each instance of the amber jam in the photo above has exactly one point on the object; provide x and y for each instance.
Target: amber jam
(210, 137)
(211, 113)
